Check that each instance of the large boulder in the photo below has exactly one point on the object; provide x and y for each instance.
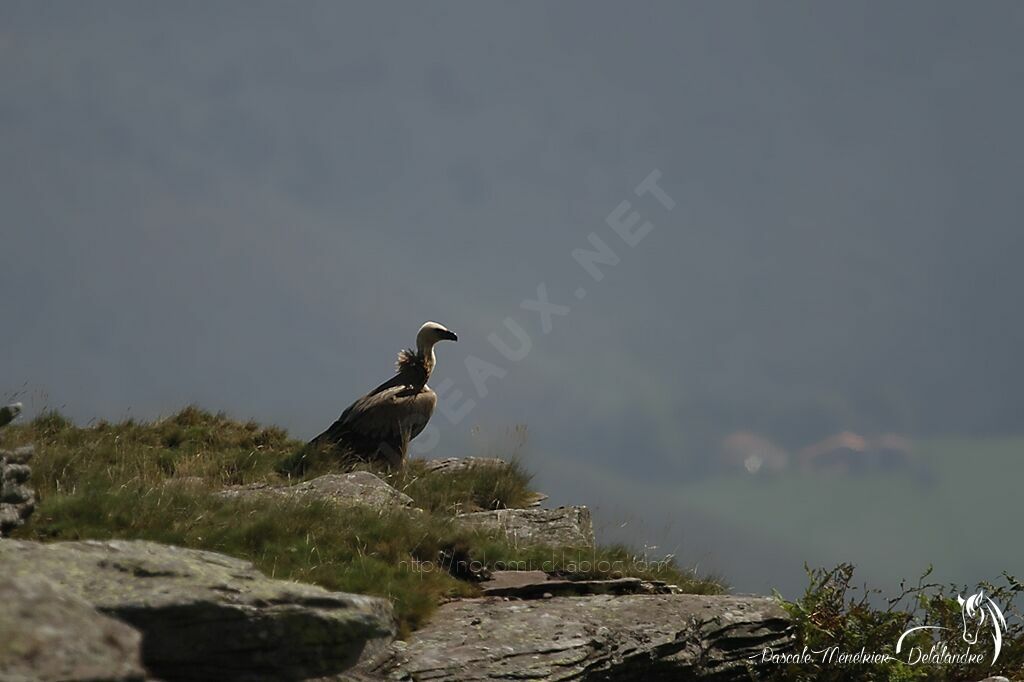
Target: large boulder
(356, 488)
(47, 634)
(637, 637)
(561, 527)
(205, 616)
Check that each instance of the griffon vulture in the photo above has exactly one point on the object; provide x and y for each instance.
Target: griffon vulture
(379, 426)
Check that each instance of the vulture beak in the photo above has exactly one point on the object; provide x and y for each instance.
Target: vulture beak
(450, 335)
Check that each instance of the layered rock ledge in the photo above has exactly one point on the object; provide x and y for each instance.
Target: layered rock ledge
(602, 637)
(359, 488)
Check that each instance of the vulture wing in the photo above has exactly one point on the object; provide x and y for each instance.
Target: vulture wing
(380, 425)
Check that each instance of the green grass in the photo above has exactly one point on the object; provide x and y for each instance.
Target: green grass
(157, 481)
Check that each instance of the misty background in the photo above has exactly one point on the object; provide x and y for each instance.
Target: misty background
(253, 206)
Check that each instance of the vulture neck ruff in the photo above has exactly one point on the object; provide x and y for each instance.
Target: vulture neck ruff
(415, 368)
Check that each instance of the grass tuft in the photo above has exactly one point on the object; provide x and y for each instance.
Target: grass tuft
(477, 488)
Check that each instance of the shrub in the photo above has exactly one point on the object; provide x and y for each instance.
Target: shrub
(832, 614)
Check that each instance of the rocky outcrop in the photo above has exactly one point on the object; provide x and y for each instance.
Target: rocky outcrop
(540, 585)
(450, 465)
(534, 625)
(17, 498)
(561, 527)
(356, 488)
(205, 616)
(134, 610)
(648, 637)
(47, 634)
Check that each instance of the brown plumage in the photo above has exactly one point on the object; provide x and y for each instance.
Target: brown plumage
(378, 426)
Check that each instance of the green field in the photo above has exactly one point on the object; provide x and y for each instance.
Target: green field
(965, 521)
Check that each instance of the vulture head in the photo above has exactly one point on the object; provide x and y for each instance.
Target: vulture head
(423, 359)
(430, 333)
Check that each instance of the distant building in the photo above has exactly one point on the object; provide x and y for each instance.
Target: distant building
(843, 453)
(850, 453)
(754, 454)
